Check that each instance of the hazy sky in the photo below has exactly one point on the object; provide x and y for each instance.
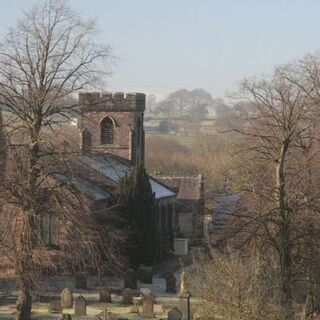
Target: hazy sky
(164, 45)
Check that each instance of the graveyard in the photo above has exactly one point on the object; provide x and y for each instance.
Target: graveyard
(82, 297)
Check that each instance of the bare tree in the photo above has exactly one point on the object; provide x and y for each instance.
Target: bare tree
(234, 287)
(48, 56)
(276, 135)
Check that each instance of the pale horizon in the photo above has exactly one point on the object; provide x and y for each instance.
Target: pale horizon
(163, 46)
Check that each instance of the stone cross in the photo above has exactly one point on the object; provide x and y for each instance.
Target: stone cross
(127, 296)
(105, 295)
(66, 298)
(80, 308)
(148, 302)
(174, 314)
(184, 297)
(184, 283)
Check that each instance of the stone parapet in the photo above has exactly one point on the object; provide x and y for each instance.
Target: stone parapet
(106, 101)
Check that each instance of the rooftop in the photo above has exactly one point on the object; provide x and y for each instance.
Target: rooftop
(189, 187)
(114, 169)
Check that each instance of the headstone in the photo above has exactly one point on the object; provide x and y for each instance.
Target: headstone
(81, 280)
(171, 283)
(174, 314)
(55, 307)
(148, 302)
(80, 307)
(105, 295)
(130, 279)
(127, 296)
(184, 305)
(158, 308)
(65, 316)
(66, 298)
(145, 274)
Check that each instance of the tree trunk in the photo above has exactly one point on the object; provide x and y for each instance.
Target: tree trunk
(24, 304)
(284, 235)
(25, 272)
(285, 275)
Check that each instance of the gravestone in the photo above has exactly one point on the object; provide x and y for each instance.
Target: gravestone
(80, 306)
(145, 274)
(105, 295)
(66, 298)
(127, 296)
(148, 302)
(55, 307)
(171, 283)
(130, 279)
(81, 280)
(184, 305)
(174, 314)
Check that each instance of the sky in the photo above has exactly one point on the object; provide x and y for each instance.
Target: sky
(165, 45)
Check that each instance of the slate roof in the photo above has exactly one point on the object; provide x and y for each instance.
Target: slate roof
(114, 169)
(85, 186)
(189, 188)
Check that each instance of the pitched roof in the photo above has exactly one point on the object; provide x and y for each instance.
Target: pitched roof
(189, 187)
(85, 186)
(114, 168)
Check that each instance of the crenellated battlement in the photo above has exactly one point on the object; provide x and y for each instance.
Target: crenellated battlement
(107, 101)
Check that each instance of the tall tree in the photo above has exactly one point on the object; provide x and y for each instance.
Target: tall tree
(137, 199)
(48, 56)
(275, 139)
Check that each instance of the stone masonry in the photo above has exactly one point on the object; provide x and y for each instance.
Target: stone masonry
(126, 114)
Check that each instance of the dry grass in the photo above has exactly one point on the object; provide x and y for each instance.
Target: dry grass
(211, 156)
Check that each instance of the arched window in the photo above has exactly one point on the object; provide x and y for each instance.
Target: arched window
(107, 131)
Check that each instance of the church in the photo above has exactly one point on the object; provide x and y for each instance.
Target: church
(112, 142)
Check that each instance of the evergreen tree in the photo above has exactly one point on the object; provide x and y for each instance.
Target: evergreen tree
(137, 200)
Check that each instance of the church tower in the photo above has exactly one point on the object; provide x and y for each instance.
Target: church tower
(113, 124)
